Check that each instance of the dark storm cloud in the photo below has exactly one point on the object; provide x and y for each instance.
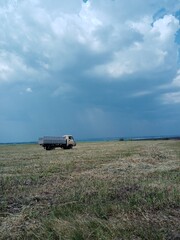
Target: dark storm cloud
(92, 68)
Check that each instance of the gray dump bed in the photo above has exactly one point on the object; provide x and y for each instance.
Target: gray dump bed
(52, 140)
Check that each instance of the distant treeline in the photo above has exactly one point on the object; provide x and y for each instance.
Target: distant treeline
(150, 138)
(108, 139)
(14, 143)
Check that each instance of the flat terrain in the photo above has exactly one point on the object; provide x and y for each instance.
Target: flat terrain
(104, 190)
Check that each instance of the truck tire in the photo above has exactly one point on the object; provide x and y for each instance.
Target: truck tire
(49, 147)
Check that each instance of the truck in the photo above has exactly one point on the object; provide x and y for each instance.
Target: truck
(49, 143)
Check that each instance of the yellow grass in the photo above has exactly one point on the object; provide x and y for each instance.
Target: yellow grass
(104, 190)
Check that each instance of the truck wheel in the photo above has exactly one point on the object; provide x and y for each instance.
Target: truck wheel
(49, 148)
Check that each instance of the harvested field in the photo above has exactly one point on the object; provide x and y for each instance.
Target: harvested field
(103, 190)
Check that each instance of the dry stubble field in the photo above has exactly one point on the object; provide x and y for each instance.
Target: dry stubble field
(104, 190)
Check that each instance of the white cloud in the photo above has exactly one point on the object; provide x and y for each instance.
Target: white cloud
(176, 80)
(64, 90)
(14, 69)
(171, 98)
(79, 28)
(54, 37)
(141, 93)
(5, 71)
(29, 90)
(155, 51)
(165, 28)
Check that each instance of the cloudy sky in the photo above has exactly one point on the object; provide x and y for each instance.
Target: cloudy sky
(105, 68)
